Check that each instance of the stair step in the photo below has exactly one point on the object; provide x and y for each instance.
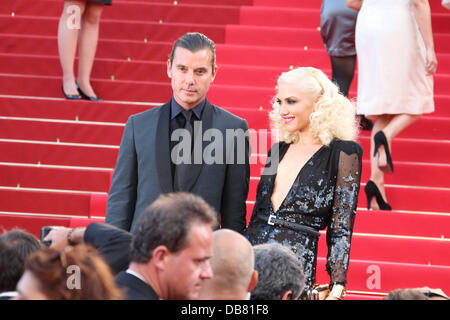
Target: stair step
(419, 150)
(399, 197)
(383, 277)
(395, 249)
(426, 225)
(118, 90)
(61, 109)
(66, 132)
(432, 225)
(106, 133)
(30, 223)
(75, 179)
(112, 28)
(66, 204)
(308, 38)
(137, 70)
(81, 110)
(155, 31)
(158, 51)
(212, 13)
(429, 126)
(121, 90)
(58, 154)
(236, 75)
(310, 18)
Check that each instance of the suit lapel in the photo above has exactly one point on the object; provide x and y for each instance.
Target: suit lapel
(162, 150)
(207, 119)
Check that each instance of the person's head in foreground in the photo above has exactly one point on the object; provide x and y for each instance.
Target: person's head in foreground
(424, 293)
(15, 246)
(233, 267)
(74, 273)
(280, 273)
(172, 245)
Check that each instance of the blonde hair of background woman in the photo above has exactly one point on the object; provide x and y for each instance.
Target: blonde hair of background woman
(333, 115)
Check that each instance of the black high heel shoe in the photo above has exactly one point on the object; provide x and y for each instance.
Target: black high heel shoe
(86, 97)
(372, 190)
(70, 96)
(365, 123)
(380, 139)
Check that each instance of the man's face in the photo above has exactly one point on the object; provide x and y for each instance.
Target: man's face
(188, 268)
(191, 74)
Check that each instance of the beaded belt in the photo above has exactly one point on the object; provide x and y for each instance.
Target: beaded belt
(273, 220)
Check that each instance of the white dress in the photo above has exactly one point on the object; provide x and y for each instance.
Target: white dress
(391, 60)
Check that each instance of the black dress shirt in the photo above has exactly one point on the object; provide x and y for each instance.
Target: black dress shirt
(178, 121)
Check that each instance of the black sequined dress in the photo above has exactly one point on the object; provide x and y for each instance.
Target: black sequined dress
(324, 194)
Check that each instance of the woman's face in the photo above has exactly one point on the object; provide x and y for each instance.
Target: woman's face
(28, 288)
(295, 107)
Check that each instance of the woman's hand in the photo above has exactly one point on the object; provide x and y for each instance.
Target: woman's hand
(430, 62)
(354, 4)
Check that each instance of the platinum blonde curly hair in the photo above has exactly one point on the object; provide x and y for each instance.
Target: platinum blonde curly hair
(333, 115)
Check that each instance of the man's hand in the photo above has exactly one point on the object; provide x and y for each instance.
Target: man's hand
(58, 237)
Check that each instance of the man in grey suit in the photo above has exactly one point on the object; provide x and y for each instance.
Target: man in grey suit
(214, 164)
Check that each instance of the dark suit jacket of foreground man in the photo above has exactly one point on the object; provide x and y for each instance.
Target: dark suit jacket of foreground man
(143, 169)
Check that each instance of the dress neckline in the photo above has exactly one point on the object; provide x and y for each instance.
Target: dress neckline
(298, 174)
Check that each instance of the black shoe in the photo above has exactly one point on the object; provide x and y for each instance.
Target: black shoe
(70, 96)
(86, 97)
(380, 139)
(365, 123)
(371, 190)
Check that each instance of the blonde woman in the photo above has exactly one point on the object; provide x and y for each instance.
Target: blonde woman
(318, 175)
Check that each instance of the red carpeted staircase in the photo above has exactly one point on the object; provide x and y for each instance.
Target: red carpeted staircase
(57, 156)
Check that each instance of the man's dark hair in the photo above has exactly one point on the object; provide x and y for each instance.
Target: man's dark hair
(167, 222)
(195, 41)
(15, 246)
(279, 270)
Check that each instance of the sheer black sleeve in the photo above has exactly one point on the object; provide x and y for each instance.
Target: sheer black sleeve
(340, 227)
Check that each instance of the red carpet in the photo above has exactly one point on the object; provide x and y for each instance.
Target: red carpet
(57, 156)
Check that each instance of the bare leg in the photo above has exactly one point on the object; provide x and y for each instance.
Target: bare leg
(67, 42)
(398, 123)
(88, 46)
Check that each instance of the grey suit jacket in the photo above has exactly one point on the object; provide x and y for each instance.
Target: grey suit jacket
(143, 169)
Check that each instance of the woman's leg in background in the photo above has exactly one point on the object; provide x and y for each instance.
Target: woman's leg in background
(68, 27)
(88, 45)
(398, 123)
(391, 125)
(343, 70)
(376, 175)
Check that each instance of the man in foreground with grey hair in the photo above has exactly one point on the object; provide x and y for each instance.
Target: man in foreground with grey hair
(280, 273)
